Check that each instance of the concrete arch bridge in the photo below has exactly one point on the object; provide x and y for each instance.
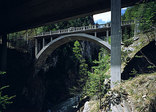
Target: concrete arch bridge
(47, 42)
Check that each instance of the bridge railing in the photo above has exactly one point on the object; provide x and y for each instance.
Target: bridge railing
(83, 28)
(127, 22)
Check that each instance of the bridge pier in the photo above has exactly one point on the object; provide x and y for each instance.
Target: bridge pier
(39, 45)
(4, 53)
(107, 34)
(115, 42)
(43, 42)
(36, 47)
(95, 34)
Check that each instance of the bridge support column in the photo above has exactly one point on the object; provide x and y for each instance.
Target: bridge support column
(95, 34)
(51, 39)
(115, 42)
(43, 42)
(36, 47)
(107, 34)
(4, 53)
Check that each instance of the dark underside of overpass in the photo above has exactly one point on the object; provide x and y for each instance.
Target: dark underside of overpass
(19, 15)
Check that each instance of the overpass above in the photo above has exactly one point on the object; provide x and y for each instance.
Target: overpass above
(19, 15)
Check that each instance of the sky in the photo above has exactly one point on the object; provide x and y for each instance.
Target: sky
(103, 18)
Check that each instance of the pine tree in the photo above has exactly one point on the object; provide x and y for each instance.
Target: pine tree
(95, 82)
(144, 13)
(82, 69)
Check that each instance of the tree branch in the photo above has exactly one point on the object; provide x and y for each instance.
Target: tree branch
(147, 59)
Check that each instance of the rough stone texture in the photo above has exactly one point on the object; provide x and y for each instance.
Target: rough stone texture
(86, 107)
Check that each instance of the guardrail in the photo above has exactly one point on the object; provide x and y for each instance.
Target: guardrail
(82, 28)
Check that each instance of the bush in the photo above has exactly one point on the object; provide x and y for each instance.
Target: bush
(4, 99)
(128, 42)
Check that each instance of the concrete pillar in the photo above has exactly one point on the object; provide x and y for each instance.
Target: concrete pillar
(95, 34)
(51, 39)
(115, 42)
(39, 45)
(36, 47)
(43, 42)
(107, 34)
(4, 53)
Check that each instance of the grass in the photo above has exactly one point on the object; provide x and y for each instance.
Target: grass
(141, 91)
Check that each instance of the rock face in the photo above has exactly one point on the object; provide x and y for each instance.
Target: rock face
(143, 62)
(19, 69)
(86, 107)
(51, 85)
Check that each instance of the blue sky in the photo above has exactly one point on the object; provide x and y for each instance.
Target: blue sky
(103, 18)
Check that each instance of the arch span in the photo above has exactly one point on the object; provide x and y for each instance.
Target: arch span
(50, 47)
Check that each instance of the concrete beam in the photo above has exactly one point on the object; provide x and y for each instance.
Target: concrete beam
(115, 42)
(33, 13)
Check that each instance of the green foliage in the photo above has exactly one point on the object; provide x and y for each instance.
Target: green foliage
(109, 39)
(83, 21)
(128, 42)
(82, 69)
(4, 99)
(144, 13)
(127, 33)
(77, 50)
(95, 83)
(151, 67)
(133, 72)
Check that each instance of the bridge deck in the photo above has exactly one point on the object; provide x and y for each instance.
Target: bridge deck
(87, 29)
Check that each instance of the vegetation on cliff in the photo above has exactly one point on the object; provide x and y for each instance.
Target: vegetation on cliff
(4, 98)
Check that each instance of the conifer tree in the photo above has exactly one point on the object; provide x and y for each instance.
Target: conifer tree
(95, 82)
(82, 69)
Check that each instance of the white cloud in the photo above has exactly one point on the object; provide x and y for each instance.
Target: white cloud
(105, 17)
(124, 8)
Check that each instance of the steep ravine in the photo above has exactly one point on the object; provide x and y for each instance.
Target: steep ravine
(138, 93)
(19, 69)
(51, 85)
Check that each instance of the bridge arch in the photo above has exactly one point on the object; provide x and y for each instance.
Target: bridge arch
(51, 46)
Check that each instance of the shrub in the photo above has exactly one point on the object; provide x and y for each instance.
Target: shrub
(4, 99)
(128, 42)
